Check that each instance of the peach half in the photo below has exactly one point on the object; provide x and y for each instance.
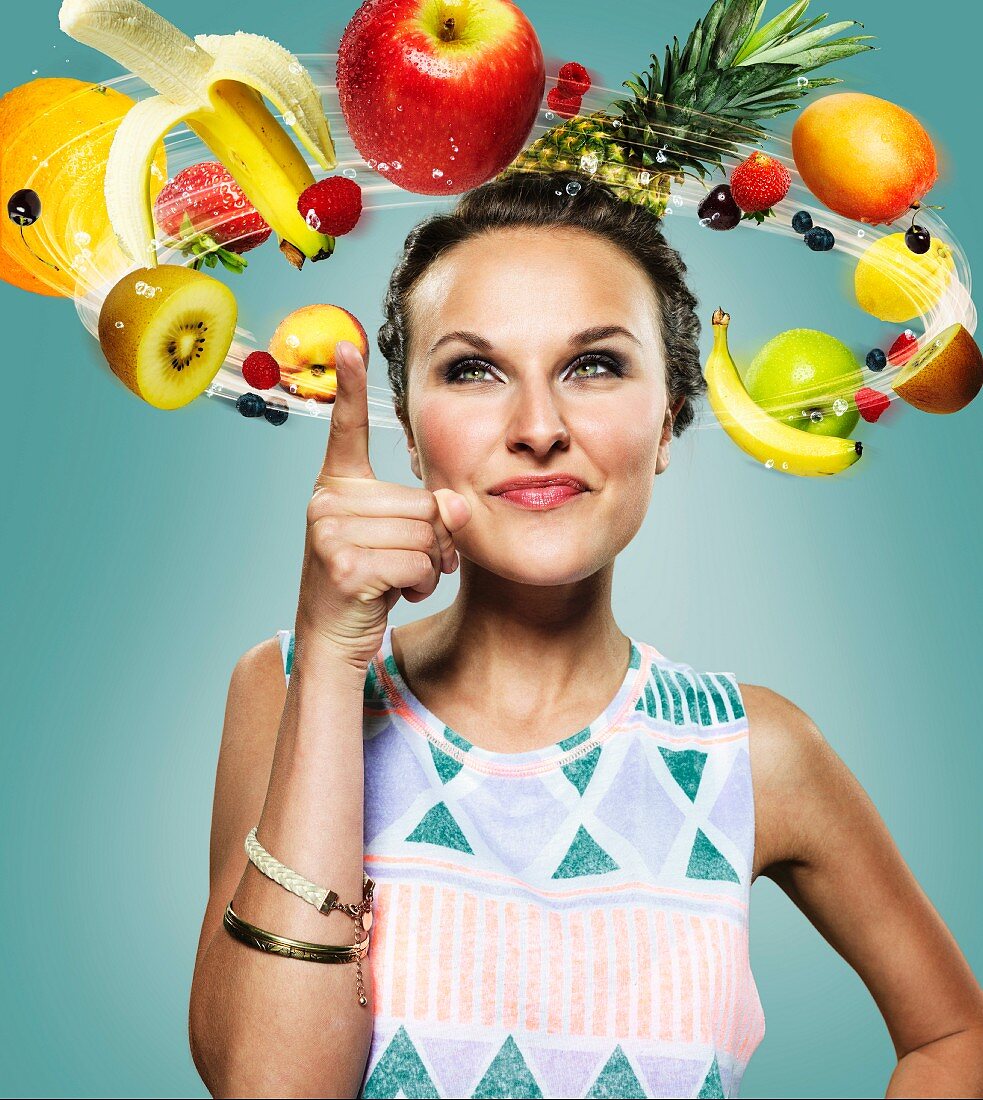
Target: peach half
(304, 344)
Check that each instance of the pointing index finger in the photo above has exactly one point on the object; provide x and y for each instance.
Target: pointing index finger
(347, 452)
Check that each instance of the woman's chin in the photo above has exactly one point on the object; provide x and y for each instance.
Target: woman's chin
(544, 563)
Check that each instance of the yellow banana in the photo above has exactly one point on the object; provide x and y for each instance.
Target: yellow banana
(762, 436)
(215, 84)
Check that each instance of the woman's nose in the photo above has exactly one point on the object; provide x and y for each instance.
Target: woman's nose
(536, 421)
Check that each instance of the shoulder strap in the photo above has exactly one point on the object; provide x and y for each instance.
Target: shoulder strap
(286, 650)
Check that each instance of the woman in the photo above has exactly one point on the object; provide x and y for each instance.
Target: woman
(563, 857)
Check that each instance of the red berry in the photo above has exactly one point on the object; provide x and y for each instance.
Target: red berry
(215, 205)
(871, 403)
(759, 183)
(574, 79)
(562, 102)
(903, 349)
(260, 370)
(331, 206)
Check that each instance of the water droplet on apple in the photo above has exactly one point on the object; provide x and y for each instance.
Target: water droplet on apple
(399, 106)
(437, 173)
(840, 406)
(397, 164)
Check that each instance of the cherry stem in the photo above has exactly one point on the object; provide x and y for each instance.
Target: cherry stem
(33, 253)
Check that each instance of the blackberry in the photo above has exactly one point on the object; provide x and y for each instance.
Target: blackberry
(819, 239)
(250, 404)
(876, 359)
(802, 222)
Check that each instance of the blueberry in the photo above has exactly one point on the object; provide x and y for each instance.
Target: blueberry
(802, 222)
(250, 404)
(918, 239)
(819, 239)
(876, 359)
(276, 412)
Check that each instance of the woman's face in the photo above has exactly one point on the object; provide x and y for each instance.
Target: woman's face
(535, 393)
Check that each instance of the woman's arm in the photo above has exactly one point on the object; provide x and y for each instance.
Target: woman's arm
(826, 846)
(291, 761)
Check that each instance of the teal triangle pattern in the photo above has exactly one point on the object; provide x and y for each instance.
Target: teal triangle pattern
(617, 1079)
(289, 663)
(400, 1071)
(447, 767)
(635, 657)
(712, 1085)
(437, 826)
(733, 693)
(508, 1075)
(584, 857)
(371, 691)
(579, 771)
(707, 861)
(718, 700)
(686, 766)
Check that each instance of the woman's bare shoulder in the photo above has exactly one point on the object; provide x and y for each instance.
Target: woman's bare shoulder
(791, 761)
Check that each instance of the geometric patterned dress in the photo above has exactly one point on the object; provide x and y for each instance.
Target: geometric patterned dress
(570, 921)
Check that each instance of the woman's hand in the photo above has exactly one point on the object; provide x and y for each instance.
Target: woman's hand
(368, 541)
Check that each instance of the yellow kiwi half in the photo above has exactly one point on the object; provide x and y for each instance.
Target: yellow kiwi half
(945, 375)
(166, 331)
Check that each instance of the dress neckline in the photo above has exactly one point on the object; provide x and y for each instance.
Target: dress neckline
(405, 703)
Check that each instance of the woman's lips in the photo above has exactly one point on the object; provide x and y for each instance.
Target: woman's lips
(541, 496)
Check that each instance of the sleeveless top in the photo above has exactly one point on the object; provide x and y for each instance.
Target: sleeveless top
(571, 921)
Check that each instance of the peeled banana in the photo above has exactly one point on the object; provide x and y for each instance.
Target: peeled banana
(215, 84)
(756, 432)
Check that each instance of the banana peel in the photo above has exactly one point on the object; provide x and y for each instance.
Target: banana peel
(214, 84)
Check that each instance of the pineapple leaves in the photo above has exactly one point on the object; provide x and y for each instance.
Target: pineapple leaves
(776, 30)
(710, 24)
(735, 26)
(798, 43)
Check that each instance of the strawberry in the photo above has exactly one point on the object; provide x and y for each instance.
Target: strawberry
(871, 403)
(331, 206)
(204, 211)
(903, 348)
(565, 104)
(759, 183)
(574, 79)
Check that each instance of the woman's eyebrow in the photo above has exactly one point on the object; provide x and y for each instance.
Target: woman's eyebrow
(579, 339)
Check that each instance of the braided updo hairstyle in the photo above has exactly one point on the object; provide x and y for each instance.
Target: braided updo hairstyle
(531, 199)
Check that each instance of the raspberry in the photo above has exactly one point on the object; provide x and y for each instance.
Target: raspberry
(562, 102)
(260, 370)
(574, 79)
(871, 403)
(903, 349)
(331, 206)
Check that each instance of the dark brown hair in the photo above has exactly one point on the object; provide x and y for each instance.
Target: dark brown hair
(541, 199)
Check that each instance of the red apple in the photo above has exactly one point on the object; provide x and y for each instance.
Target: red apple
(439, 95)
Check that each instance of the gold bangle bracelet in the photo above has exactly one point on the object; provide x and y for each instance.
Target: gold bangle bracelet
(288, 948)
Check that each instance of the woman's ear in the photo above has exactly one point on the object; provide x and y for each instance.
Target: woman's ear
(411, 448)
(662, 461)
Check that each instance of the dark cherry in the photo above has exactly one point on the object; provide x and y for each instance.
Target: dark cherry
(918, 239)
(718, 210)
(24, 207)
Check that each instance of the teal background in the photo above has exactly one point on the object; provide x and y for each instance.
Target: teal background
(144, 551)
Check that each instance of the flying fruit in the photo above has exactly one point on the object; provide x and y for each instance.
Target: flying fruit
(214, 84)
(760, 435)
(864, 157)
(304, 346)
(945, 375)
(806, 378)
(718, 210)
(439, 95)
(895, 284)
(165, 332)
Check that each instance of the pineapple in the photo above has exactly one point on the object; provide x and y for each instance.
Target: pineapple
(700, 105)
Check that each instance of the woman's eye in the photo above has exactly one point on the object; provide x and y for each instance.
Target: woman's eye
(458, 372)
(610, 366)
